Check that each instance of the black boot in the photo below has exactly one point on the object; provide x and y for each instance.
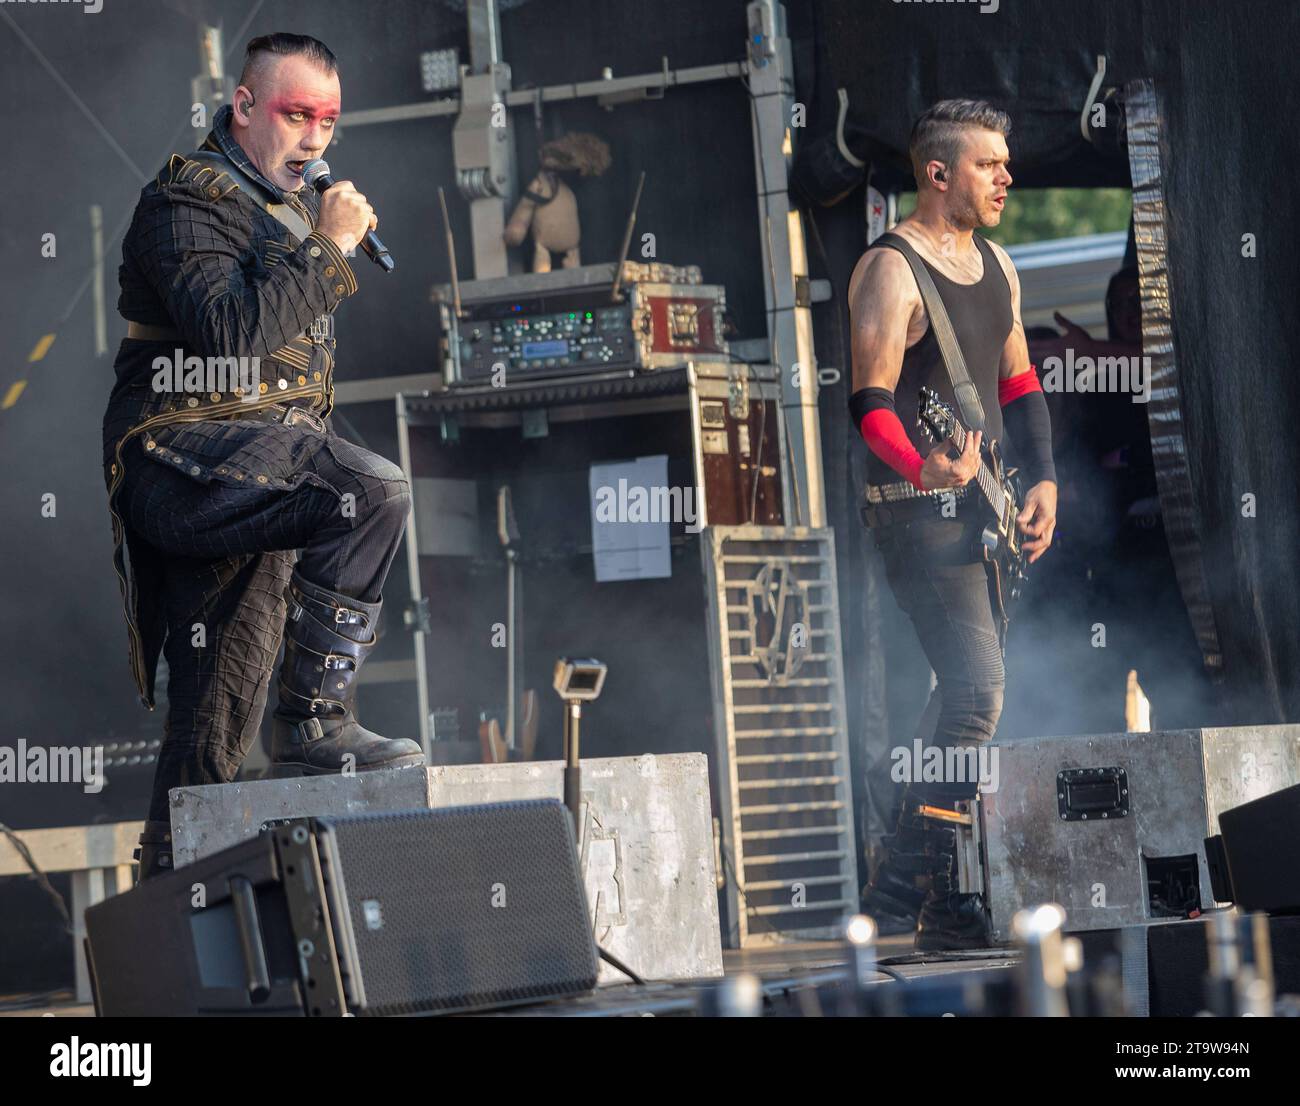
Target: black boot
(950, 919)
(327, 636)
(899, 883)
(155, 852)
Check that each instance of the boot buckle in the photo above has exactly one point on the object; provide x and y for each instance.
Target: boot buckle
(342, 615)
(336, 661)
(311, 730)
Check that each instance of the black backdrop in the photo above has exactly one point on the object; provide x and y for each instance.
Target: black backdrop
(1225, 73)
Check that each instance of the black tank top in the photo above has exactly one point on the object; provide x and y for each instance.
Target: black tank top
(981, 318)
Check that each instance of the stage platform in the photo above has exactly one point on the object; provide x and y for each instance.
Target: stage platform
(1162, 968)
(781, 968)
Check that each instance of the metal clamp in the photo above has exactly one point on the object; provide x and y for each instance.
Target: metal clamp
(301, 414)
(321, 330)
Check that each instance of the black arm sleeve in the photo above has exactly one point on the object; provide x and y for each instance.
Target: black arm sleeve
(1027, 421)
(865, 400)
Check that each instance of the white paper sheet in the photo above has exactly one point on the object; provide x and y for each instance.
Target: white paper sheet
(622, 549)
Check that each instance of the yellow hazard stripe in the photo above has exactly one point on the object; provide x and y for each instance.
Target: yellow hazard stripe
(11, 396)
(42, 348)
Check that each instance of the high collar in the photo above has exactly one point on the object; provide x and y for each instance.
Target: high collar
(222, 141)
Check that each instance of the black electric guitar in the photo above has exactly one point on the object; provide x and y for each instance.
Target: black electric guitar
(1000, 490)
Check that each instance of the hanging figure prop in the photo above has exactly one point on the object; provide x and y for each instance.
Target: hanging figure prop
(549, 207)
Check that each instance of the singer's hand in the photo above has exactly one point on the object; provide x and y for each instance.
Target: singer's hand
(345, 216)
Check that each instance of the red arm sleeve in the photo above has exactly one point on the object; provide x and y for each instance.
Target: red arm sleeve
(888, 441)
(1019, 385)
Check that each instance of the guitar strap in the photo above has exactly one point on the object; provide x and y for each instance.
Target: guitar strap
(963, 388)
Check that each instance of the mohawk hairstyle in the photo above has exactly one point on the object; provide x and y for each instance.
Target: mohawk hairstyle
(937, 132)
(260, 50)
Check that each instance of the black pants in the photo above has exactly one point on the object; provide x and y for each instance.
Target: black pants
(229, 546)
(939, 581)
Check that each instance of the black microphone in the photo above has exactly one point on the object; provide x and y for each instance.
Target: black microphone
(316, 173)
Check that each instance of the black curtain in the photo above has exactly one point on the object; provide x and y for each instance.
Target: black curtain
(1225, 78)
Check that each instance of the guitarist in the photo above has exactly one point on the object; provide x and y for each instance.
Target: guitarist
(923, 512)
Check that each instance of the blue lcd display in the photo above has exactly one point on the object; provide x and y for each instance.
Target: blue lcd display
(545, 349)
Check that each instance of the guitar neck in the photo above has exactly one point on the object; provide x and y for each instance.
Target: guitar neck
(988, 483)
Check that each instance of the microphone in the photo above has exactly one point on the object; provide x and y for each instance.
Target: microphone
(316, 173)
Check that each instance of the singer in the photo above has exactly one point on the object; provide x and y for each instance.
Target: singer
(214, 494)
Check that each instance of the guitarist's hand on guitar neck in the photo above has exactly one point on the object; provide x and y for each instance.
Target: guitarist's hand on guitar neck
(945, 468)
(1037, 520)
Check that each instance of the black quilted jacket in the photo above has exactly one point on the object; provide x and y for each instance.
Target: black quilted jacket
(205, 260)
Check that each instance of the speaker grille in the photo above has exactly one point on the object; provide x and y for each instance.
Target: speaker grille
(459, 908)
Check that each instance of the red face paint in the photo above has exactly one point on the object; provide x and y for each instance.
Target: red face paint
(310, 105)
(294, 123)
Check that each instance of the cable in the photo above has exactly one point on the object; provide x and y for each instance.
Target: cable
(610, 958)
(762, 441)
(729, 866)
(125, 222)
(21, 849)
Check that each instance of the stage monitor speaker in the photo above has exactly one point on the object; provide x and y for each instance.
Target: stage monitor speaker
(1247, 866)
(402, 912)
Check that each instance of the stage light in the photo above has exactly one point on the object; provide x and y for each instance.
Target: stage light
(440, 70)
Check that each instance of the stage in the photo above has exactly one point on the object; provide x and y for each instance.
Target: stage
(785, 970)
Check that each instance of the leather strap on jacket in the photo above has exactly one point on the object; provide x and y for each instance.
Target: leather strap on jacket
(144, 332)
(293, 222)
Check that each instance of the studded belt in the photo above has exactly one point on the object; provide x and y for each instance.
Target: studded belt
(904, 490)
(887, 504)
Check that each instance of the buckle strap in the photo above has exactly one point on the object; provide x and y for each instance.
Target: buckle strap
(321, 329)
(310, 730)
(315, 705)
(296, 415)
(343, 616)
(146, 332)
(153, 835)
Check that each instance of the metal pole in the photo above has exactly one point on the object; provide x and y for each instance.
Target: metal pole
(785, 262)
(413, 575)
(572, 770)
(1038, 932)
(97, 244)
(483, 145)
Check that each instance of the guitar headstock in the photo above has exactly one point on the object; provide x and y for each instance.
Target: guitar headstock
(934, 416)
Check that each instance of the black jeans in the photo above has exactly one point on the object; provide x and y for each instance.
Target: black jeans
(939, 580)
(229, 545)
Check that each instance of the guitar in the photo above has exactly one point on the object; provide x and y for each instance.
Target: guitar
(520, 736)
(1000, 541)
